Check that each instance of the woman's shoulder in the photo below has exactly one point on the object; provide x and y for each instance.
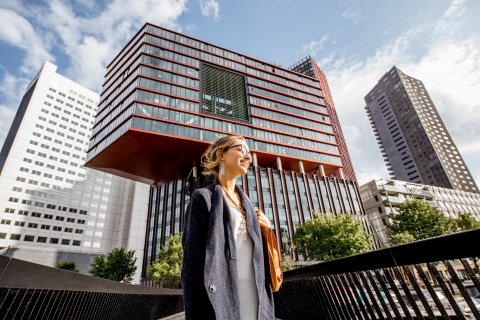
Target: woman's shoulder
(202, 193)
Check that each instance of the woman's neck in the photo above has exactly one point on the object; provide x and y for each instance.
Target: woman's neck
(227, 182)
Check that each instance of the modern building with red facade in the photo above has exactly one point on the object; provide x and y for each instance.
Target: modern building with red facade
(166, 96)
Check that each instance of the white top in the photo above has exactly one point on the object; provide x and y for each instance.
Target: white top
(247, 288)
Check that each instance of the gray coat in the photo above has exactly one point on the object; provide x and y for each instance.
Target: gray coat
(209, 272)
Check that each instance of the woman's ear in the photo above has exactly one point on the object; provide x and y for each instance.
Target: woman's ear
(218, 154)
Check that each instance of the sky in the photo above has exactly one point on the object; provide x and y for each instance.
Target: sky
(354, 42)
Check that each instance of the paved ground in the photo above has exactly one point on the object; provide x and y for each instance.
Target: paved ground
(181, 316)
(176, 316)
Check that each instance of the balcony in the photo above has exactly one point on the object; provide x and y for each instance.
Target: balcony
(393, 200)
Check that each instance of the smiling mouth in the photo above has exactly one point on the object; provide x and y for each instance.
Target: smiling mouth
(245, 164)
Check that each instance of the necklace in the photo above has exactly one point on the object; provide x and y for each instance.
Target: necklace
(243, 221)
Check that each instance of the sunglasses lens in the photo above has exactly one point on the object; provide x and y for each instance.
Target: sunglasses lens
(245, 151)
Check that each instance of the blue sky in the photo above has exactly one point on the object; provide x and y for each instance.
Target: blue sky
(354, 42)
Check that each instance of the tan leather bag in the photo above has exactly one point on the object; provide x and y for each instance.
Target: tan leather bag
(274, 259)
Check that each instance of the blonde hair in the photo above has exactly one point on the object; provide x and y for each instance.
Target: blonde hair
(209, 161)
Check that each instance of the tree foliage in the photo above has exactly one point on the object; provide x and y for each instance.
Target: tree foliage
(421, 221)
(169, 264)
(465, 221)
(417, 220)
(67, 265)
(287, 262)
(401, 237)
(119, 265)
(327, 237)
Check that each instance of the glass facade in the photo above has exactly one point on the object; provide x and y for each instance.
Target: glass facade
(178, 81)
(284, 203)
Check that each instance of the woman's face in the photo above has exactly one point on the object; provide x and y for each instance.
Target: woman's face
(237, 158)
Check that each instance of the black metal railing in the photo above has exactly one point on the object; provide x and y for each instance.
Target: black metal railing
(168, 284)
(32, 291)
(431, 279)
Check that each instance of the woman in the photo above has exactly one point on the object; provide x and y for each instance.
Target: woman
(225, 269)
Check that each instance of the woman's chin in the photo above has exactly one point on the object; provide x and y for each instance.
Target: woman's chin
(243, 171)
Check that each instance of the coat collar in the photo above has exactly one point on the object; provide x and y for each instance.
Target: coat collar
(253, 227)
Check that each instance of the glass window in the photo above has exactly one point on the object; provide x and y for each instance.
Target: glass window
(220, 86)
(267, 199)
(282, 213)
(336, 199)
(324, 192)
(292, 200)
(303, 197)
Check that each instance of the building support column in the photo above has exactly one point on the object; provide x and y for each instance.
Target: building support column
(301, 167)
(194, 172)
(322, 170)
(254, 160)
(279, 163)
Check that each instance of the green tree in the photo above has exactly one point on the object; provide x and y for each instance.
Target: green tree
(119, 265)
(169, 263)
(67, 265)
(287, 262)
(419, 220)
(401, 237)
(465, 221)
(331, 237)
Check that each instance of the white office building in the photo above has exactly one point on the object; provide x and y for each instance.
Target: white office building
(52, 208)
(382, 197)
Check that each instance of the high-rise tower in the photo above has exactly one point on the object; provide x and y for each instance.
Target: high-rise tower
(413, 139)
(52, 208)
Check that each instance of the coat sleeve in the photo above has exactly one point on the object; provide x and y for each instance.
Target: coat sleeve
(196, 302)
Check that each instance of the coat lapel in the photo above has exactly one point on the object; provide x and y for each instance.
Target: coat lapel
(252, 222)
(222, 215)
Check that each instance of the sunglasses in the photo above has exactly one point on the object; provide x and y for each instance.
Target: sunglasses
(245, 150)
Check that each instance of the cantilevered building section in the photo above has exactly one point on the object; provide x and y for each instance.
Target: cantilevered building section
(167, 92)
(167, 96)
(413, 139)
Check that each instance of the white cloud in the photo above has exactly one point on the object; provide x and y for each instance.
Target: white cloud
(353, 15)
(210, 8)
(191, 27)
(476, 176)
(11, 90)
(450, 19)
(450, 70)
(315, 46)
(18, 32)
(88, 41)
(365, 175)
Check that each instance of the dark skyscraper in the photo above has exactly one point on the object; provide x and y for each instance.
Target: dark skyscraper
(413, 139)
